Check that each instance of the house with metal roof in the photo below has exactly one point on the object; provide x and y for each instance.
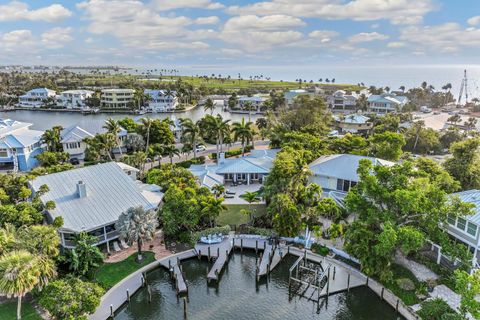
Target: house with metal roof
(91, 199)
(385, 103)
(36, 98)
(251, 104)
(74, 99)
(353, 123)
(342, 101)
(161, 100)
(250, 169)
(73, 137)
(19, 145)
(467, 229)
(338, 172)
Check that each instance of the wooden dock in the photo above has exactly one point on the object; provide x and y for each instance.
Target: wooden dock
(175, 268)
(220, 252)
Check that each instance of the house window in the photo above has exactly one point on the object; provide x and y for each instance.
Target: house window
(3, 153)
(345, 185)
(461, 224)
(254, 176)
(451, 220)
(472, 229)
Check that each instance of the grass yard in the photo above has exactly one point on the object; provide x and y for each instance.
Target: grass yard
(233, 215)
(109, 274)
(8, 310)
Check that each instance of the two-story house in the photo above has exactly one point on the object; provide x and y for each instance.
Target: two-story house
(161, 100)
(116, 98)
(36, 98)
(341, 101)
(74, 99)
(19, 145)
(385, 103)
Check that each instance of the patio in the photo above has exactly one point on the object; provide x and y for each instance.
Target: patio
(239, 190)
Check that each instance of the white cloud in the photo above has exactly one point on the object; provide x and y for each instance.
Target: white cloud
(166, 5)
(16, 10)
(56, 37)
(323, 36)
(447, 38)
(367, 37)
(473, 21)
(253, 33)
(398, 11)
(207, 20)
(17, 41)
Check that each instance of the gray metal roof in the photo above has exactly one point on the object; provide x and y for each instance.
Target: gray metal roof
(471, 196)
(109, 193)
(342, 166)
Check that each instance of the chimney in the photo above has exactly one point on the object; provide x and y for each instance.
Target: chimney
(81, 189)
(221, 160)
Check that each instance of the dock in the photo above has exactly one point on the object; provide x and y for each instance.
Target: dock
(176, 272)
(220, 252)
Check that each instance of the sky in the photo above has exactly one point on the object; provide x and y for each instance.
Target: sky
(239, 33)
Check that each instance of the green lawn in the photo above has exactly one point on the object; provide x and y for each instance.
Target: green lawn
(8, 310)
(233, 215)
(110, 274)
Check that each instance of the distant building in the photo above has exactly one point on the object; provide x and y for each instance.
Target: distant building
(253, 168)
(256, 103)
(161, 100)
(354, 123)
(19, 145)
(91, 199)
(385, 103)
(72, 138)
(116, 98)
(467, 229)
(36, 98)
(292, 94)
(341, 101)
(74, 99)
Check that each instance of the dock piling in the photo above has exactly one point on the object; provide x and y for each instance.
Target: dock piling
(381, 295)
(348, 283)
(241, 245)
(185, 308)
(256, 246)
(128, 296)
(334, 272)
(111, 311)
(208, 253)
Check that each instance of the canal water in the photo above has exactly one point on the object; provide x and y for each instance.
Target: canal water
(237, 296)
(43, 120)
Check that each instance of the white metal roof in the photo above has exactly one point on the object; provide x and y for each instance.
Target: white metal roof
(110, 192)
(471, 196)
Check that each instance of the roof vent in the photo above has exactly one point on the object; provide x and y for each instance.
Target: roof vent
(81, 189)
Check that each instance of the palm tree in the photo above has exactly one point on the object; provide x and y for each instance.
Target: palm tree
(242, 131)
(19, 273)
(248, 106)
(51, 138)
(220, 129)
(137, 160)
(262, 125)
(218, 190)
(212, 208)
(137, 225)
(209, 105)
(250, 197)
(192, 132)
(113, 127)
(171, 151)
(147, 123)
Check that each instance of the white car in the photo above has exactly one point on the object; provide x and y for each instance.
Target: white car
(200, 148)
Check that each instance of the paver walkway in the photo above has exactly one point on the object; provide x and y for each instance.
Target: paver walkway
(421, 272)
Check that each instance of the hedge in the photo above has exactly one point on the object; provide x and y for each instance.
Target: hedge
(257, 231)
(223, 230)
(186, 164)
(233, 152)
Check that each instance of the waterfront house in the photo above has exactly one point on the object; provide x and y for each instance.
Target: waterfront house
(338, 172)
(19, 145)
(116, 98)
(466, 229)
(256, 103)
(353, 123)
(161, 100)
(253, 168)
(385, 103)
(91, 199)
(72, 138)
(341, 101)
(74, 99)
(36, 98)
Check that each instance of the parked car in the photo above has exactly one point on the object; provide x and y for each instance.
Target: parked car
(200, 148)
(75, 161)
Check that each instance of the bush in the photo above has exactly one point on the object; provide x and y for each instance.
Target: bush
(436, 309)
(223, 230)
(320, 249)
(190, 162)
(233, 152)
(257, 231)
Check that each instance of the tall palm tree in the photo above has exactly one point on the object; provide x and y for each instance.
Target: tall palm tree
(220, 129)
(113, 127)
(212, 208)
(19, 274)
(137, 225)
(218, 190)
(52, 138)
(192, 132)
(242, 131)
(147, 124)
(209, 105)
(171, 151)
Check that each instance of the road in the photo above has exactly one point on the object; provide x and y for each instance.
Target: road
(210, 148)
